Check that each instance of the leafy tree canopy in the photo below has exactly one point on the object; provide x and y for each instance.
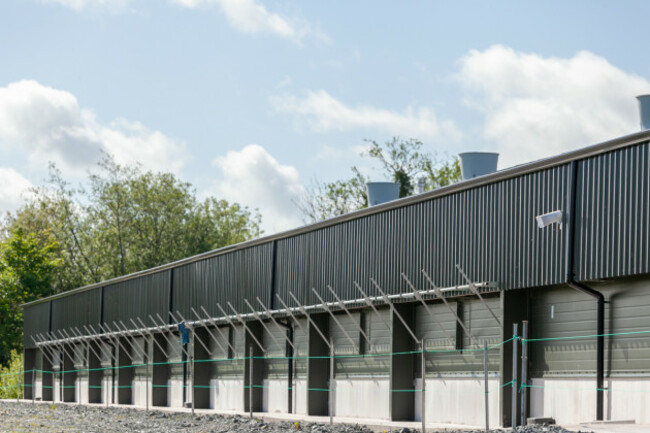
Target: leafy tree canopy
(125, 220)
(401, 160)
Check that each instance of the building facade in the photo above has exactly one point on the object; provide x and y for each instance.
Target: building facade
(440, 275)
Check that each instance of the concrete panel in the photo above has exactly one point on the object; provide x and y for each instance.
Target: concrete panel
(140, 392)
(175, 390)
(572, 401)
(227, 394)
(459, 401)
(57, 397)
(275, 396)
(38, 388)
(108, 390)
(362, 398)
(568, 401)
(628, 398)
(81, 389)
(300, 396)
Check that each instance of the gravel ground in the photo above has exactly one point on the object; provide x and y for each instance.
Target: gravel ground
(25, 417)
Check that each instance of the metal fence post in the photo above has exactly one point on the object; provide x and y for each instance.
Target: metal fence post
(524, 370)
(515, 346)
(250, 381)
(33, 386)
(192, 376)
(485, 372)
(331, 382)
(147, 360)
(423, 369)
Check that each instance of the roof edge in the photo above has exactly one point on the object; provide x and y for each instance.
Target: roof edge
(508, 173)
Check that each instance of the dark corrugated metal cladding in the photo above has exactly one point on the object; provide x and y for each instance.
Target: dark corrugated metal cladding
(613, 227)
(490, 232)
(76, 311)
(243, 274)
(137, 298)
(36, 320)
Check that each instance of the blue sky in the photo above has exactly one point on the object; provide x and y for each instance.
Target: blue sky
(251, 100)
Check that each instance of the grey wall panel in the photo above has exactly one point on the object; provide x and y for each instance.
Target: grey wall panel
(489, 231)
(439, 331)
(135, 298)
(559, 312)
(77, 310)
(442, 357)
(613, 231)
(232, 277)
(380, 338)
(36, 320)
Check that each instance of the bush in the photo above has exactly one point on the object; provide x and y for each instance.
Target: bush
(11, 377)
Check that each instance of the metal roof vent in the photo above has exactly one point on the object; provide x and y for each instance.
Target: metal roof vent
(382, 192)
(475, 164)
(644, 111)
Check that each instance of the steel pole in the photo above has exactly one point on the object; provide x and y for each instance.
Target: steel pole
(515, 346)
(331, 383)
(524, 371)
(485, 380)
(192, 369)
(423, 369)
(250, 381)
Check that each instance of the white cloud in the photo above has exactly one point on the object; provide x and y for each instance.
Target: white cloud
(49, 125)
(253, 177)
(250, 17)
(13, 187)
(78, 5)
(538, 106)
(323, 112)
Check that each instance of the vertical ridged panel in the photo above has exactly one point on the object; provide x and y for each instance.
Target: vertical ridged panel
(612, 208)
(36, 320)
(138, 297)
(231, 277)
(489, 231)
(76, 310)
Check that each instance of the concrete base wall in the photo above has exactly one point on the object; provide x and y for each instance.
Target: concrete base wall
(108, 393)
(300, 396)
(275, 397)
(140, 392)
(56, 389)
(458, 401)
(362, 398)
(572, 401)
(38, 389)
(227, 394)
(175, 392)
(81, 390)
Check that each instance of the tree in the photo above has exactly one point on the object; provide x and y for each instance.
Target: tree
(327, 200)
(27, 272)
(401, 160)
(127, 220)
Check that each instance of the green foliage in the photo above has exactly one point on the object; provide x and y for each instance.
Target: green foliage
(127, 220)
(11, 377)
(327, 200)
(26, 273)
(401, 160)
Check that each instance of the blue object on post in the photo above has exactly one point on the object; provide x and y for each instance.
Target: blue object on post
(185, 333)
